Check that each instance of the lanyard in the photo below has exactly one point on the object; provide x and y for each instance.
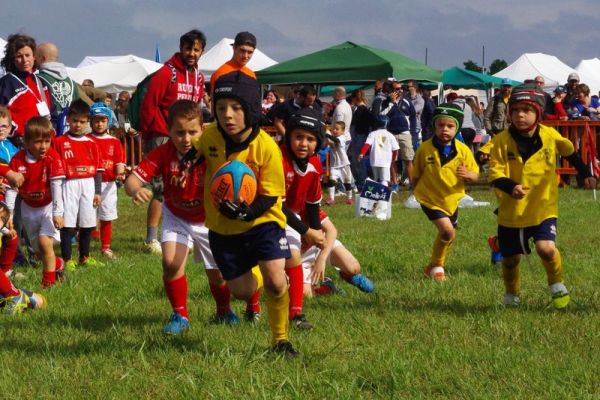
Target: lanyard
(37, 82)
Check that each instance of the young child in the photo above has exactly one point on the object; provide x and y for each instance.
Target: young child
(183, 210)
(523, 171)
(80, 189)
(243, 235)
(113, 162)
(339, 164)
(43, 171)
(383, 148)
(441, 168)
(304, 135)
(14, 300)
(333, 252)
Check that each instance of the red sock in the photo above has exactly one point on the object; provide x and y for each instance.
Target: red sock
(9, 250)
(346, 276)
(253, 305)
(105, 234)
(7, 289)
(222, 297)
(177, 294)
(48, 278)
(296, 277)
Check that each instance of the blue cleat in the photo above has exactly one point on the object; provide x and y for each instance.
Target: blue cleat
(228, 318)
(177, 324)
(363, 283)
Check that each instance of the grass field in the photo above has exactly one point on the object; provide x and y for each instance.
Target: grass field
(100, 337)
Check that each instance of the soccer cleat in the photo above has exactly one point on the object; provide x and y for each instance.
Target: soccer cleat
(363, 283)
(252, 316)
(560, 295)
(228, 318)
(511, 300)
(60, 269)
(349, 201)
(286, 349)
(495, 249)
(177, 324)
(153, 247)
(435, 273)
(327, 287)
(109, 254)
(71, 266)
(90, 262)
(25, 300)
(300, 322)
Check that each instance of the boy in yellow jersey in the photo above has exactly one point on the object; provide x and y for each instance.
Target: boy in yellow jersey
(523, 172)
(242, 236)
(441, 167)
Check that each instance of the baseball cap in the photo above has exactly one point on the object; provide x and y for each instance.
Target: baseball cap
(506, 82)
(560, 89)
(573, 76)
(245, 38)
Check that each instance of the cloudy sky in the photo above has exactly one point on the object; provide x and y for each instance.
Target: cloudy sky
(451, 31)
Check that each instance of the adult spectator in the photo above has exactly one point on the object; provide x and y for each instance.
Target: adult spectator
(244, 45)
(180, 78)
(467, 129)
(54, 74)
(342, 112)
(558, 109)
(426, 114)
(362, 124)
(307, 98)
(477, 122)
(540, 83)
(571, 86)
(419, 104)
(495, 117)
(269, 103)
(21, 91)
(587, 107)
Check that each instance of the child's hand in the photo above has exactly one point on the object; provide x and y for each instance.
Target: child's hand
(97, 200)
(318, 272)
(15, 179)
(314, 237)
(466, 174)
(143, 195)
(589, 183)
(58, 221)
(519, 192)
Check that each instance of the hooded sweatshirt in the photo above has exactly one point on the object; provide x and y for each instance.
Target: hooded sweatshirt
(62, 88)
(172, 82)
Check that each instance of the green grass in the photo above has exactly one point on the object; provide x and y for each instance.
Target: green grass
(100, 337)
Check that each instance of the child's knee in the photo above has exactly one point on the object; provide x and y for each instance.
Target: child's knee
(546, 250)
(447, 233)
(511, 262)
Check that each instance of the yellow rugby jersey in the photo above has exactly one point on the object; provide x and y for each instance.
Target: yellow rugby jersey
(438, 187)
(538, 173)
(264, 157)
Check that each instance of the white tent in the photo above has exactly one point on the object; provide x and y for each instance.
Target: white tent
(222, 52)
(2, 47)
(90, 60)
(116, 74)
(589, 73)
(529, 65)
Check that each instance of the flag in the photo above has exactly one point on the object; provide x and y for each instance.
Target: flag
(157, 53)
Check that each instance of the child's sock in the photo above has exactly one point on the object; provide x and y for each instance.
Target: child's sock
(48, 278)
(277, 308)
(553, 268)
(512, 282)
(105, 234)
(331, 192)
(8, 252)
(66, 235)
(85, 237)
(177, 294)
(151, 233)
(253, 305)
(296, 290)
(439, 251)
(7, 289)
(222, 297)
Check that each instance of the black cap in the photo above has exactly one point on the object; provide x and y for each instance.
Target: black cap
(245, 38)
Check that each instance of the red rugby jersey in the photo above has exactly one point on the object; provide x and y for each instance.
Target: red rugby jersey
(111, 154)
(301, 187)
(80, 156)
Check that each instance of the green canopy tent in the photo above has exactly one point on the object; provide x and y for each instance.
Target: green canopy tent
(347, 63)
(463, 78)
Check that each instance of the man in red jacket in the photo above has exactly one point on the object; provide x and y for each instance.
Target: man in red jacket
(180, 78)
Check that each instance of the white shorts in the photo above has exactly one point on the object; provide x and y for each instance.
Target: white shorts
(343, 174)
(194, 236)
(78, 198)
(107, 210)
(37, 222)
(310, 256)
(294, 238)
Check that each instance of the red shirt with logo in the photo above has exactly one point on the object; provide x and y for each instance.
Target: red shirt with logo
(111, 154)
(80, 156)
(301, 187)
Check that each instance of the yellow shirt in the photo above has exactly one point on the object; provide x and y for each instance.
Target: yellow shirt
(438, 187)
(264, 157)
(538, 173)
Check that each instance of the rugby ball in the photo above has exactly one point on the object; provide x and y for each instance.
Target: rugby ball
(233, 181)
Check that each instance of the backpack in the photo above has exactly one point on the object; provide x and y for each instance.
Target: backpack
(135, 103)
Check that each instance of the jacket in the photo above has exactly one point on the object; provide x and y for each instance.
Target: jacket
(495, 117)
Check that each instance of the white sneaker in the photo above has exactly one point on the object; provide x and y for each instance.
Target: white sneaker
(153, 247)
(511, 300)
(109, 254)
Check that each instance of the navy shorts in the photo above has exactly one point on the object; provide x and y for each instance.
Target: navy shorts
(237, 254)
(437, 214)
(515, 241)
